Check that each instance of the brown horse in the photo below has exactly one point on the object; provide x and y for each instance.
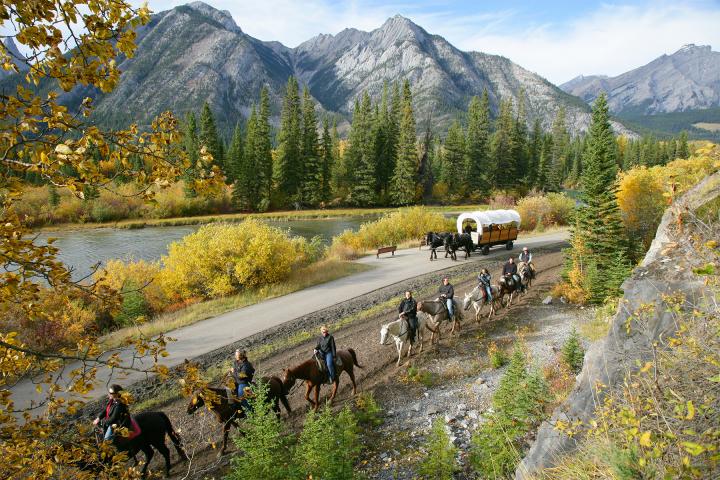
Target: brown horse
(310, 372)
(228, 411)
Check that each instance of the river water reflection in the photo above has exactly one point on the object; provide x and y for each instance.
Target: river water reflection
(83, 248)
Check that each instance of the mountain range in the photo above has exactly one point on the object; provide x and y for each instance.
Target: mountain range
(689, 79)
(195, 53)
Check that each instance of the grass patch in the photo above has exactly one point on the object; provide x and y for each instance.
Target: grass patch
(599, 326)
(166, 393)
(239, 217)
(314, 274)
(420, 376)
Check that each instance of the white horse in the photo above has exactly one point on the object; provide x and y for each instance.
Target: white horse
(477, 299)
(395, 330)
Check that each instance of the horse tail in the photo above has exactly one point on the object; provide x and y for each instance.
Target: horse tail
(174, 437)
(354, 357)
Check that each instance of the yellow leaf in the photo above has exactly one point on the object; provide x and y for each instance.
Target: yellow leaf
(691, 410)
(645, 439)
(647, 367)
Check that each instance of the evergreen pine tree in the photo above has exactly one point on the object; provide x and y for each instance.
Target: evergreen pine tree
(209, 138)
(263, 158)
(311, 175)
(192, 149)
(454, 159)
(360, 152)
(520, 143)
(425, 174)
(503, 169)
(245, 175)
(477, 145)
(327, 151)
(534, 149)
(544, 170)
(286, 171)
(386, 141)
(405, 176)
(682, 149)
(599, 219)
(234, 156)
(572, 352)
(560, 144)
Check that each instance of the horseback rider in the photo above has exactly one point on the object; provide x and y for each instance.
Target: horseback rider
(484, 280)
(408, 310)
(243, 373)
(325, 348)
(510, 270)
(447, 292)
(527, 257)
(115, 414)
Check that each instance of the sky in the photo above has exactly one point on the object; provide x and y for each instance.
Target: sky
(558, 40)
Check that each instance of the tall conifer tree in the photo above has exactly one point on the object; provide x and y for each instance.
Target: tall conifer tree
(478, 144)
(242, 195)
(310, 173)
(192, 148)
(327, 154)
(405, 176)
(503, 162)
(263, 152)
(209, 137)
(599, 225)
(360, 155)
(454, 159)
(234, 156)
(286, 172)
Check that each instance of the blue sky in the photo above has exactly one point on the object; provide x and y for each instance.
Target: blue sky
(558, 40)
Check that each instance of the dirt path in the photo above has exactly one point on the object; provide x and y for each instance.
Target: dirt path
(381, 376)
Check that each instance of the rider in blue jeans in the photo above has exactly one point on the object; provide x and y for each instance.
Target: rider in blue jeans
(326, 349)
(242, 372)
(448, 292)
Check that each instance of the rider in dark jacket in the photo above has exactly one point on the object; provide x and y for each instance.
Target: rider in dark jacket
(447, 292)
(115, 414)
(326, 349)
(510, 269)
(408, 309)
(243, 373)
(484, 280)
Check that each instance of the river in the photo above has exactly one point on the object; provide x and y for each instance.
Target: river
(83, 248)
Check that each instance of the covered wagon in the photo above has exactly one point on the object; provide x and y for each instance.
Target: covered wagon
(490, 227)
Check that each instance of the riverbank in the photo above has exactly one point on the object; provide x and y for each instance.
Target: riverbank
(318, 214)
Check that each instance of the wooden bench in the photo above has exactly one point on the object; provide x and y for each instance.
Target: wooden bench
(386, 250)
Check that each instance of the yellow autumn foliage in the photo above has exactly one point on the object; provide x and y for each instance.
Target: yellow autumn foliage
(137, 275)
(390, 229)
(644, 193)
(553, 209)
(221, 259)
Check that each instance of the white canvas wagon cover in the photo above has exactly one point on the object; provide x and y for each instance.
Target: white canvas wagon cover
(484, 218)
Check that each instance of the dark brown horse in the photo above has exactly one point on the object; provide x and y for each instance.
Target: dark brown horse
(228, 411)
(310, 372)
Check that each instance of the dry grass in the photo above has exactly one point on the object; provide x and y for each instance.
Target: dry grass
(314, 274)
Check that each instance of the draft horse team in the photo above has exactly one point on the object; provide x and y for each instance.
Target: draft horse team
(147, 431)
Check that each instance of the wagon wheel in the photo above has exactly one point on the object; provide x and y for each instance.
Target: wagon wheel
(485, 250)
(509, 245)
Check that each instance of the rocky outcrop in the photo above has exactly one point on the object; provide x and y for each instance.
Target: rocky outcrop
(689, 79)
(666, 269)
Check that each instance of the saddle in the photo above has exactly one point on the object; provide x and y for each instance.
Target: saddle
(323, 367)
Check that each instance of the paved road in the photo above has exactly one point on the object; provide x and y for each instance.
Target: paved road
(208, 335)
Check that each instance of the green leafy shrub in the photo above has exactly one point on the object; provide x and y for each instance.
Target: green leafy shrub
(573, 352)
(440, 463)
(498, 357)
(368, 412)
(328, 445)
(417, 375)
(263, 444)
(518, 407)
(134, 308)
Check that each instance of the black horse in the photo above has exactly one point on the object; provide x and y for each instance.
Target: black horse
(153, 428)
(457, 241)
(434, 241)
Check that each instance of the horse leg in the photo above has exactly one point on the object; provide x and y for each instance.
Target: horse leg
(308, 388)
(148, 451)
(351, 374)
(336, 383)
(165, 452)
(317, 396)
(398, 347)
(226, 432)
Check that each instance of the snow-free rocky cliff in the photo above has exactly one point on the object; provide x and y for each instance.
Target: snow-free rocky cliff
(689, 79)
(196, 53)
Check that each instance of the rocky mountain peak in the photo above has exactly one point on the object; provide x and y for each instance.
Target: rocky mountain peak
(400, 28)
(223, 17)
(694, 49)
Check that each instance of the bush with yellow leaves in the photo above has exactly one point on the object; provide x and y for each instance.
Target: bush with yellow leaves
(391, 229)
(221, 259)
